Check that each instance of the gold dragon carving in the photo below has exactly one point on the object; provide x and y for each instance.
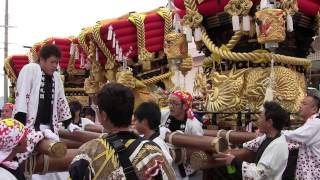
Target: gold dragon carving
(243, 88)
(225, 94)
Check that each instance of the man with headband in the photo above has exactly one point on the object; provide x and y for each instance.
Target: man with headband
(179, 117)
(13, 140)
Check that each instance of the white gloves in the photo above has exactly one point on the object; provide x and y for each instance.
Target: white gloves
(50, 135)
(72, 127)
(163, 131)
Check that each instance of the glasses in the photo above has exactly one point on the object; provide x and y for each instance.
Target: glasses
(174, 103)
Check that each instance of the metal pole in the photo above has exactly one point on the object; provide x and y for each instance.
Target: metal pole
(6, 26)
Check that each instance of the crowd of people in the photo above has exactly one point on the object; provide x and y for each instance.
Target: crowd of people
(134, 145)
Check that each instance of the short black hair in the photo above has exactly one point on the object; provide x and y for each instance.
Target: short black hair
(151, 112)
(316, 101)
(117, 101)
(49, 50)
(88, 111)
(275, 112)
(74, 107)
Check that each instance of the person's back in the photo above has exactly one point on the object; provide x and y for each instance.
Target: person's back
(120, 154)
(143, 155)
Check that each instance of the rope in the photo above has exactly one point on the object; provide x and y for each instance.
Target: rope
(192, 18)
(190, 5)
(234, 40)
(82, 40)
(166, 14)
(100, 43)
(45, 164)
(144, 55)
(157, 78)
(253, 57)
(29, 170)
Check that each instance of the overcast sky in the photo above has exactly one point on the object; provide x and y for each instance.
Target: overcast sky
(36, 20)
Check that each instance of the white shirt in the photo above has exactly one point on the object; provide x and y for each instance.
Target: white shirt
(85, 121)
(272, 163)
(307, 139)
(5, 174)
(165, 149)
(193, 126)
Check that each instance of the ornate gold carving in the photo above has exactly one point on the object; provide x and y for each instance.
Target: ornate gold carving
(186, 65)
(238, 7)
(125, 77)
(256, 83)
(288, 90)
(271, 25)
(225, 94)
(176, 46)
(290, 6)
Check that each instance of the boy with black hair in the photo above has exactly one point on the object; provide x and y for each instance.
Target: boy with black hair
(120, 154)
(147, 118)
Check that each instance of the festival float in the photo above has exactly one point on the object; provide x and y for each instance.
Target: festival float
(254, 52)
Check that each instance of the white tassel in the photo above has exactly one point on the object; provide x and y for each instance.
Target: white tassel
(117, 47)
(97, 55)
(197, 34)
(114, 41)
(263, 4)
(176, 23)
(257, 29)
(76, 55)
(120, 55)
(71, 52)
(270, 87)
(110, 32)
(235, 23)
(169, 6)
(81, 60)
(188, 31)
(246, 23)
(289, 23)
(53, 42)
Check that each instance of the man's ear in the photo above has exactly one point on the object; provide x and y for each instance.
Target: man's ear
(145, 122)
(314, 110)
(270, 121)
(103, 116)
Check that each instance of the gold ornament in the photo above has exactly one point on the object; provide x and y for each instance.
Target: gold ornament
(125, 77)
(256, 84)
(238, 7)
(186, 65)
(225, 94)
(176, 46)
(271, 25)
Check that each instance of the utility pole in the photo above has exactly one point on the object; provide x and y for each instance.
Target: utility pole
(6, 26)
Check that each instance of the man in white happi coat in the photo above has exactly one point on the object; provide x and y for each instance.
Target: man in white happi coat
(40, 100)
(307, 140)
(271, 148)
(179, 117)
